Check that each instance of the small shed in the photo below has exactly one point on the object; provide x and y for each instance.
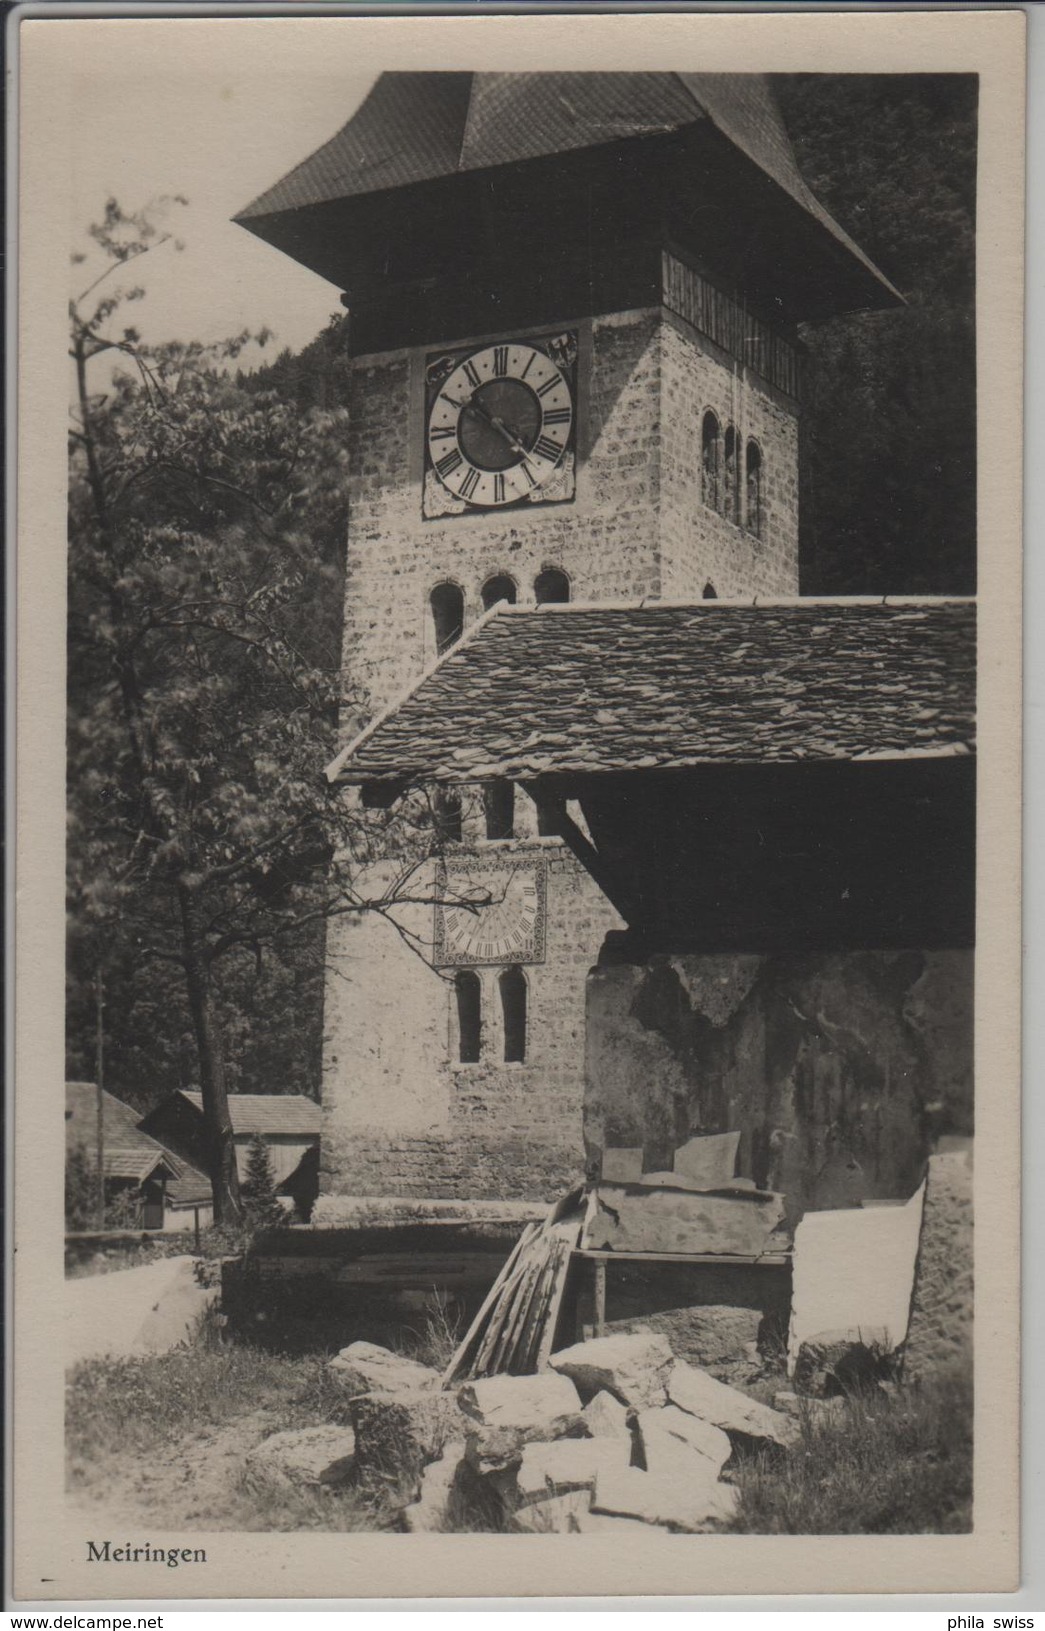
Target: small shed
(289, 1123)
(163, 1191)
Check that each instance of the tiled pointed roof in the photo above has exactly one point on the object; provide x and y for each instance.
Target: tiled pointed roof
(568, 689)
(416, 127)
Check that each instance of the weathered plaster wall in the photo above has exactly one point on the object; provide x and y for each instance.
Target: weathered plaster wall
(699, 545)
(838, 1070)
(401, 1117)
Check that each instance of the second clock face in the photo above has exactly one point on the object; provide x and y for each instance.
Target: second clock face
(507, 928)
(500, 423)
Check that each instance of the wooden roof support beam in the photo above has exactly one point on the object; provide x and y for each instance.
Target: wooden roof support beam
(556, 819)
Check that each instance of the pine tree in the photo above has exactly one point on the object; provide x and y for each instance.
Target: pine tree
(261, 1205)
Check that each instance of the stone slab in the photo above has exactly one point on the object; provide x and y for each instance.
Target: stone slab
(547, 1403)
(671, 1499)
(634, 1368)
(681, 1221)
(305, 1458)
(605, 1417)
(671, 1426)
(940, 1330)
(736, 1413)
(622, 1166)
(568, 1463)
(554, 1514)
(365, 1367)
(852, 1276)
(709, 1160)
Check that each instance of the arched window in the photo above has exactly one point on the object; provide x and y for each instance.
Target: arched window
(499, 809)
(730, 489)
(469, 994)
(551, 587)
(754, 489)
(710, 462)
(446, 812)
(710, 592)
(447, 603)
(501, 587)
(512, 986)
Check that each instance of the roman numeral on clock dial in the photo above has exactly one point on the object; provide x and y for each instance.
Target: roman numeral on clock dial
(545, 448)
(449, 463)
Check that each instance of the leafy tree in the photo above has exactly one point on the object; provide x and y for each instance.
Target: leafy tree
(262, 1207)
(206, 525)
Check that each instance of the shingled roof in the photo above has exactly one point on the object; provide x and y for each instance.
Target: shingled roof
(128, 1152)
(419, 127)
(291, 1114)
(567, 689)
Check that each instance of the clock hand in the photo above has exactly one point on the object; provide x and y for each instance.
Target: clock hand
(498, 425)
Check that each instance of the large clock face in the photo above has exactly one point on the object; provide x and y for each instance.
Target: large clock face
(500, 426)
(509, 928)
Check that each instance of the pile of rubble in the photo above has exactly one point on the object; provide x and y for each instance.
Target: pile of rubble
(614, 1433)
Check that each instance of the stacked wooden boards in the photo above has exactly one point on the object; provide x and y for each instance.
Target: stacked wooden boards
(514, 1330)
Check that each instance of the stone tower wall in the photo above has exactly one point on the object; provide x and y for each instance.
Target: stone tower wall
(401, 1118)
(605, 539)
(698, 544)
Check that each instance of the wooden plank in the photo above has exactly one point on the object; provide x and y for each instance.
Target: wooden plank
(768, 1259)
(487, 1304)
(600, 1296)
(530, 1343)
(505, 1313)
(512, 1325)
(392, 1269)
(570, 1234)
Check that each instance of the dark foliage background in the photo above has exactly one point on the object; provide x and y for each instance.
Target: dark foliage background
(888, 490)
(888, 505)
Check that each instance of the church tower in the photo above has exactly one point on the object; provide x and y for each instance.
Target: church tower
(573, 306)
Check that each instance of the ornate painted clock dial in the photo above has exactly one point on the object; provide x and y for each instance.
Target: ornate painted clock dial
(509, 929)
(500, 426)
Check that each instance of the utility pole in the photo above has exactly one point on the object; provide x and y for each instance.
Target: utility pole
(99, 1059)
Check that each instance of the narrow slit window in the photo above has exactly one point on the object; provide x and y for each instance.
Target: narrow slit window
(499, 809)
(731, 491)
(469, 995)
(501, 587)
(754, 489)
(710, 462)
(446, 814)
(551, 587)
(447, 603)
(512, 984)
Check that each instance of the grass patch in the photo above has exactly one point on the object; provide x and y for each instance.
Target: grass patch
(890, 1463)
(167, 1435)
